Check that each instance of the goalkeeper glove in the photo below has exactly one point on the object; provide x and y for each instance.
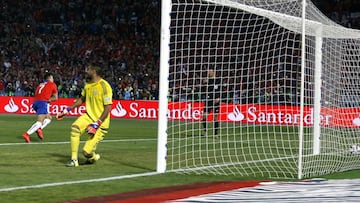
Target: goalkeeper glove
(63, 113)
(92, 128)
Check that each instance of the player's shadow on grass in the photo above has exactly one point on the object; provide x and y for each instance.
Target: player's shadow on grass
(61, 158)
(132, 165)
(33, 139)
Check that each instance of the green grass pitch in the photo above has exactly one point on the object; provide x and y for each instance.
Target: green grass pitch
(129, 148)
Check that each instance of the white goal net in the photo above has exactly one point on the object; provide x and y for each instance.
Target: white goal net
(235, 84)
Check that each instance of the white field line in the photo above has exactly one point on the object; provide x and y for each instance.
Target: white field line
(78, 182)
(55, 143)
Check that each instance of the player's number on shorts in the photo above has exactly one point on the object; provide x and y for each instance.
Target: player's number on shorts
(42, 85)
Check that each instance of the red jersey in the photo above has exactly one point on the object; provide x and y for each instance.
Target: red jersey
(45, 90)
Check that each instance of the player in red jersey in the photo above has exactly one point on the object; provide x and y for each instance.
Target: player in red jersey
(46, 92)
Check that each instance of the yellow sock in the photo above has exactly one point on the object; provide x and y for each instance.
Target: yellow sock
(74, 143)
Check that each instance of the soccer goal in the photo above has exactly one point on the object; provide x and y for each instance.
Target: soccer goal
(289, 90)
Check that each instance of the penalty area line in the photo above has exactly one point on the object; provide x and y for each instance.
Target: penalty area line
(78, 182)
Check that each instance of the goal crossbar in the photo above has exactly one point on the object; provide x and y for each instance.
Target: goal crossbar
(312, 27)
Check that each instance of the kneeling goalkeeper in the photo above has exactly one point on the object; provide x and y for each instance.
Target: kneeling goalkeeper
(97, 95)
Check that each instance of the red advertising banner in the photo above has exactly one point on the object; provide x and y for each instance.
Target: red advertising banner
(192, 111)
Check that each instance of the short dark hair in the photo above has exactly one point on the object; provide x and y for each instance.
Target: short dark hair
(97, 67)
(48, 75)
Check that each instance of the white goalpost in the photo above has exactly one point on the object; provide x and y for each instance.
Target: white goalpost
(284, 97)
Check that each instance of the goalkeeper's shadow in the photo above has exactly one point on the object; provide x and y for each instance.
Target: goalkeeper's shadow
(61, 158)
(132, 165)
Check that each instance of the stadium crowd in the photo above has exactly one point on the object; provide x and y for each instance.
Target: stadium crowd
(344, 12)
(64, 36)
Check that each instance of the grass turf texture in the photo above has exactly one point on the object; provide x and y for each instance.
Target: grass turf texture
(129, 148)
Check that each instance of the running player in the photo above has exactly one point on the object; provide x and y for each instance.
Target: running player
(45, 93)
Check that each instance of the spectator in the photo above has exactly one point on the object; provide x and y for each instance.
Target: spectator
(2, 87)
(9, 89)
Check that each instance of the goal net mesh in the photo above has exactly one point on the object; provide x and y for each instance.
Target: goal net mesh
(254, 49)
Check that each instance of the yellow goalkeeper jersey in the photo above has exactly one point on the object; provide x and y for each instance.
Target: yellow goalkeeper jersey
(96, 96)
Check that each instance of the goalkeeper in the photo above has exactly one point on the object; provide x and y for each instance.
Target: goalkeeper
(97, 95)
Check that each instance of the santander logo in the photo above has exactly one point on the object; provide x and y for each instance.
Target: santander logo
(236, 115)
(356, 121)
(277, 116)
(118, 111)
(252, 114)
(11, 107)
